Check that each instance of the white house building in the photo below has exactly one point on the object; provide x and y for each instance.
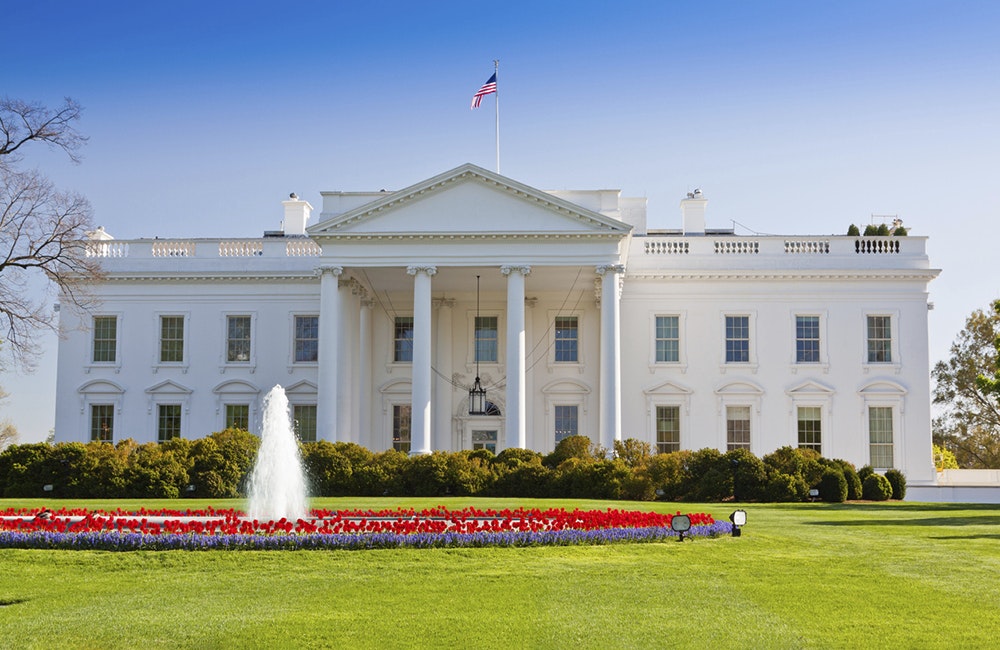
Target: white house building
(577, 319)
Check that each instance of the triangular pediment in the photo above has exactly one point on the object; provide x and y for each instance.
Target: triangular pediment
(668, 388)
(470, 201)
(301, 388)
(168, 387)
(810, 387)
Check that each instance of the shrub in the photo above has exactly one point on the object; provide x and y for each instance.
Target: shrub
(469, 473)
(570, 447)
(852, 231)
(712, 477)
(425, 475)
(899, 231)
(898, 482)
(833, 486)
(669, 475)
(382, 476)
(865, 472)
(222, 463)
(876, 488)
(870, 230)
(882, 230)
(154, 471)
(515, 457)
(20, 466)
(784, 487)
(529, 480)
(749, 475)
(851, 476)
(634, 453)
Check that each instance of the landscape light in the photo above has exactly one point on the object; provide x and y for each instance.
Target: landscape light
(739, 518)
(680, 524)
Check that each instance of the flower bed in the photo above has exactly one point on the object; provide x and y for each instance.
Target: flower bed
(342, 529)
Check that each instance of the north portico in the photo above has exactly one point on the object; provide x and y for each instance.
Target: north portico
(577, 314)
(420, 250)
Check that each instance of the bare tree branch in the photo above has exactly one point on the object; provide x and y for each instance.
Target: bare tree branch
(22, 122)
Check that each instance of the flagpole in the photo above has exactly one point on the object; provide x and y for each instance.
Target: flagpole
(496, 97)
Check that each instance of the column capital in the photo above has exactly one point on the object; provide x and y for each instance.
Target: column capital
(603, 269)
(443, 302)
(523, 269)
(329, 268)
(417, 268)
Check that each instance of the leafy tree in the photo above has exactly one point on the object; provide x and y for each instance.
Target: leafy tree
(852, 231)
(8, 434)
(966, 387)
(871, 230)
(943, 458)
(634, 453)
(42, 230)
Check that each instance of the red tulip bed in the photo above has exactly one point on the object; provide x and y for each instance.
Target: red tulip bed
(342, 529)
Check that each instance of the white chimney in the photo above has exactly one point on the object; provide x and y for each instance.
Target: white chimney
(296, 215)
(693, 213)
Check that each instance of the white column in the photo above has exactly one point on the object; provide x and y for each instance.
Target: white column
(329, 324)
(346, 353)
(611, 390)
(443, 394)
(365, 374)
(516, 408)
(420, 423)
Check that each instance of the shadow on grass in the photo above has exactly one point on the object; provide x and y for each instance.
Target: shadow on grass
(964, 536)
(886, 506)
(926, 521)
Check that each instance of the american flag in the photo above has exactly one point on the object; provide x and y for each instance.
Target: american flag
(488, 88)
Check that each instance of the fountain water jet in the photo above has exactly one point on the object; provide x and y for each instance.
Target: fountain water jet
(278, 481)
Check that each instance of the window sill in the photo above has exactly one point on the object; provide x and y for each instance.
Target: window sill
(810, 366)
(117, 367)
(751, 366)
(183, 367)
(668, 365)
(868, 368)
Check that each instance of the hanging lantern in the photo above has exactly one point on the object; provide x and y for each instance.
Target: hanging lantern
(477, 399)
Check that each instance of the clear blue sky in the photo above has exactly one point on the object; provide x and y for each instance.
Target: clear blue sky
(793, 117)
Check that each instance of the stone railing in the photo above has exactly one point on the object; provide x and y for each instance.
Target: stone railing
(666, 247)
(204, 248)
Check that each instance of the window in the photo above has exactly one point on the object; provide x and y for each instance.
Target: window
(486, 339)
(168, 422)
(737, 427)
(105, 339)
(238, 339)
(171, 339)
(879, 339)
(668, 339)
(306, 339)
(401, 427)
(304, 421)
(810, 428)
(567, 421)
(485, 440)
(668, 429)
(737, 339)
(567, 339)
(238, 416)
(880, 435)
(807, 339)
(403, 340)
(102, 422)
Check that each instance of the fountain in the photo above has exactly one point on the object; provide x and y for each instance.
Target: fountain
(278, 482)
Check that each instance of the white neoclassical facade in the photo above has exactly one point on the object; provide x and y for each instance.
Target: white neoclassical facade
(378, 317)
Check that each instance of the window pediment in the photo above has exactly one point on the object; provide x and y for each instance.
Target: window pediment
(168, 387)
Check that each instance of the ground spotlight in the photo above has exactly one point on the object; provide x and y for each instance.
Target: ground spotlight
(739, 518)
(680, 524)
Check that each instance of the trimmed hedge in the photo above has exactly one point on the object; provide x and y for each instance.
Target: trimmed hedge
(218, 466)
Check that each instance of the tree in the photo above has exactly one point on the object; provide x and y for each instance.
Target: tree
(42, 230)
(8, 432)
(966, 386)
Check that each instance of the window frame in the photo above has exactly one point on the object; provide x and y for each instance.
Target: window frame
(748, 445)
(556, 407)
(295, 319)
(251, 361)
(395, 418)
(399, 344)
(228, 419)
(751, 360)
(470, 352)
(556, 339)
(94, 419)
(296, 421)
(656, 423)
(872, 445)
(160, 406)
(816, 445)
(894, 361)
(823, 363)
(116, 363)
(655, 360)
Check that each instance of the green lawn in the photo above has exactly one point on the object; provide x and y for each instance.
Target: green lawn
(802, 575)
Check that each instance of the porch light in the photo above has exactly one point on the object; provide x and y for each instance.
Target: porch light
(739, 518)
(680, 524)
(477, 394)
(477, 399)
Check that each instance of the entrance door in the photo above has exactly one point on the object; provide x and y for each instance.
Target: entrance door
(485, 439)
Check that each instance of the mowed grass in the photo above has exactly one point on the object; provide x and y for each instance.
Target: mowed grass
(802, 575)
